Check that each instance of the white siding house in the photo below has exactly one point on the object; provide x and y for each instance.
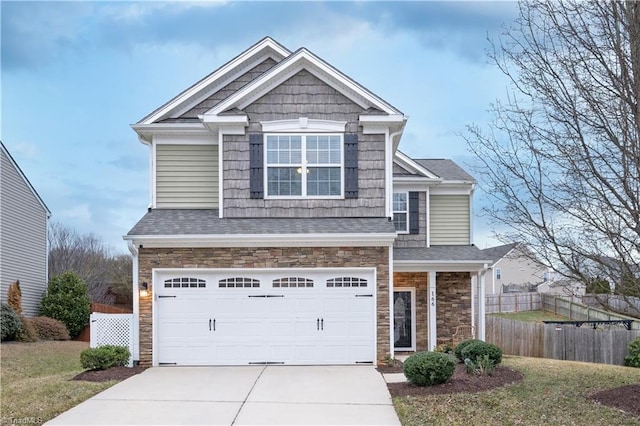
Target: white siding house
(23, 235)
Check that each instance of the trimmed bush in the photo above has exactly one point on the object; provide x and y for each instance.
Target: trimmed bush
(28, 332)
(14, 297)
(10, 324)
(633, 359)
(477, 350)
(66, 300)
(50, 329)
(429, 368)
(104, 357)
(458, 350)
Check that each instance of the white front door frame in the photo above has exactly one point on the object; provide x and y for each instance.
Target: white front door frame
(412, 291)
(433, 328)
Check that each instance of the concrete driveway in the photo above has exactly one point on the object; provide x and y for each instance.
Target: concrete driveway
(251, 395)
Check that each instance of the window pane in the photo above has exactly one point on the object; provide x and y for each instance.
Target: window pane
(323, 150)
(400, 221)
(284, 181)
(400, 201)
(284, 150)
(323, 181)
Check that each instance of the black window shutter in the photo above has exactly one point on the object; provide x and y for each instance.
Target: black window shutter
(256, 166)
(414, 213)
(351, 165)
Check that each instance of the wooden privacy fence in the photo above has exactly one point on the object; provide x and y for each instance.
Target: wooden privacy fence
(566, 342)
(577, 311)
(512, 302)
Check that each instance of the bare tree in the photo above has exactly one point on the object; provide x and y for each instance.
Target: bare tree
(560, 161)
(102, 270)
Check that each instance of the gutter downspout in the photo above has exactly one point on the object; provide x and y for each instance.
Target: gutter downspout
(389, 174)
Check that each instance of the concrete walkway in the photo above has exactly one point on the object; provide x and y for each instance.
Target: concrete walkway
(251, 395)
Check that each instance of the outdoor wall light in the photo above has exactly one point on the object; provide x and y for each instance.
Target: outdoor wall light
(144, 289)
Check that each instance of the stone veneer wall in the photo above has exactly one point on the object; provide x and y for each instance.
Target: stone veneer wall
(270, 257)
(453, 302)
(419, 281)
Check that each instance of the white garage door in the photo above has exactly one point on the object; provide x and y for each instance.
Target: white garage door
(292, 316)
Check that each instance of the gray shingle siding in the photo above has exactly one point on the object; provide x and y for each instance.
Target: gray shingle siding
(229, 89)
(420, 239)
(304, 95)
(23, 238)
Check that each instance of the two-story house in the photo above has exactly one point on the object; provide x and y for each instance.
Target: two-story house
(286, 227)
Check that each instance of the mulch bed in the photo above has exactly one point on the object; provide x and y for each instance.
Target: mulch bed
(461, 381)
(114, 373)
(625, 398)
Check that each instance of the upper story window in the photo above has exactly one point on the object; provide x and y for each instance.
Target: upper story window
(498, 274)
(304, 165)
(401, 211)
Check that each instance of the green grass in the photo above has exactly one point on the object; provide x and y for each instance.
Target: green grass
(532, 316)
(552, 393)
(36, 381)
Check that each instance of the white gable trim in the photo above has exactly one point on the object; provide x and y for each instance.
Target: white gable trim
(265, 48)
(303, 124)
(407, 163)
(146, 132)
(302, 59)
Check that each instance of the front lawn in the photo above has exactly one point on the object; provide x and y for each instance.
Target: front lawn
(552, 392)
(36, 381)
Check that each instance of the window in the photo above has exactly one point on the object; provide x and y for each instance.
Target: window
(404, 319)
(185, 283)
(347, 282)
(292, 282)
(304, 165)
(401, 211)
(238, 282)
(498, 274)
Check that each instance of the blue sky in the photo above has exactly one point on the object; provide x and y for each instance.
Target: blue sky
(75, 75)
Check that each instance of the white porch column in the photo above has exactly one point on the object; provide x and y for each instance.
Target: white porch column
(481, 305)
(474, 284)
(433, 332)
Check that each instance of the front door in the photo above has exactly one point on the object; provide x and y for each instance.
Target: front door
(404, 329)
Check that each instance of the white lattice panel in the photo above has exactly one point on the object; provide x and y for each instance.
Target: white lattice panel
(112, 329)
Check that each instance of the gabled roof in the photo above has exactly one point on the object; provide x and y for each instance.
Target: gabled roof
(265, 48)
(24, 177)
(498, 252)
(446, 169)
(411, 166)
(304, 59)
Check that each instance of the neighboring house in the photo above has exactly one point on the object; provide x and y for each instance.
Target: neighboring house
(513, 271)
(23, 235)
(286, 227)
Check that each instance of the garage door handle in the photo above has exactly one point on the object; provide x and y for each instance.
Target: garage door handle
(214, 324)
(322, 324)
(209, 324)
(318, 324)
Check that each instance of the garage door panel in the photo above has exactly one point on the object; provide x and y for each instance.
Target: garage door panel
(301, 322)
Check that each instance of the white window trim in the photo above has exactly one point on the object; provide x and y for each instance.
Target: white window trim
(304, 167)
(303, 125)
(406, 230)
(498, 274)
(411, 290)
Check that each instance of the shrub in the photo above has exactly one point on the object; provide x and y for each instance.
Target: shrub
(458, 350)
(633, 359)
(66, 300)
(481, 365)
(477, 350)
(14, 297)
(104, 357)
(429, 368)
(446, 348)
(27, 332)
(50, 329)
(10, 324)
